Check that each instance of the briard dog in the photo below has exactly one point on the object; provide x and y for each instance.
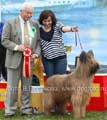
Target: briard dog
(74, 87)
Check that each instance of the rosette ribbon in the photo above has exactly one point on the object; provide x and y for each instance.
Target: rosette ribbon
(26, 63)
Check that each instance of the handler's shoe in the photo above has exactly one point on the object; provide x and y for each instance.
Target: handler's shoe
(8, 115)
(30, 113)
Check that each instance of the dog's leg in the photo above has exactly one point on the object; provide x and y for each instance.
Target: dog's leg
(76, 111)
(83, 111)
(85, 101)
(61, 108)
(76, 104)
(48, 103)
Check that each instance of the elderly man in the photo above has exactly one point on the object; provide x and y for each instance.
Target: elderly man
(21, 37)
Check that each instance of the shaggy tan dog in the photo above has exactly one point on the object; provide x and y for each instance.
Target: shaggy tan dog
(74, 87)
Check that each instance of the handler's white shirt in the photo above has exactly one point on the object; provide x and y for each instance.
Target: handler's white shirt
(22, 22)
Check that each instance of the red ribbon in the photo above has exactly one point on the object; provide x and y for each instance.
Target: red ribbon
(26, 63)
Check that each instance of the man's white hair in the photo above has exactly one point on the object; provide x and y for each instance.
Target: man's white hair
(26, 5)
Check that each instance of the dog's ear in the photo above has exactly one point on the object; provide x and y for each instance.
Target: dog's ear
(83, 57)
(90, 52)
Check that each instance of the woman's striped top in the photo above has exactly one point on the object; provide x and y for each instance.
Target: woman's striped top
(54, 48)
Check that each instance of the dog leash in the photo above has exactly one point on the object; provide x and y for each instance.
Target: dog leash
(77, 38)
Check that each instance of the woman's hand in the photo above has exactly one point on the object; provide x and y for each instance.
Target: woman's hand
(75, 29)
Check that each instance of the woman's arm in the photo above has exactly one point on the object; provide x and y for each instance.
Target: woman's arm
(70, 29)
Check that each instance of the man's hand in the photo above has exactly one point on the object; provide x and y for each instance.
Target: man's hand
(21, 48)
(34, 56)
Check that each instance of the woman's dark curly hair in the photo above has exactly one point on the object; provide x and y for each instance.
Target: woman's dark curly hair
(45, 14)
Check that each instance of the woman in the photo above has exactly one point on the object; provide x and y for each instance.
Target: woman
(54, 56)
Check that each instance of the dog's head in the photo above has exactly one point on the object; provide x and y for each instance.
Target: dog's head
(89, 61)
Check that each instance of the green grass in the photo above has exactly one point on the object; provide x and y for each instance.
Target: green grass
(89, 116)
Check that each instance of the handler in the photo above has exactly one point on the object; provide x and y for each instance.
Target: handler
(20, 35)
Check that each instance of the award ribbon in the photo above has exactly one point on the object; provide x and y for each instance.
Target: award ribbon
(26, 63)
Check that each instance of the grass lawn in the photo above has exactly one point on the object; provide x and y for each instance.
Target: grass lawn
(89, 116)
